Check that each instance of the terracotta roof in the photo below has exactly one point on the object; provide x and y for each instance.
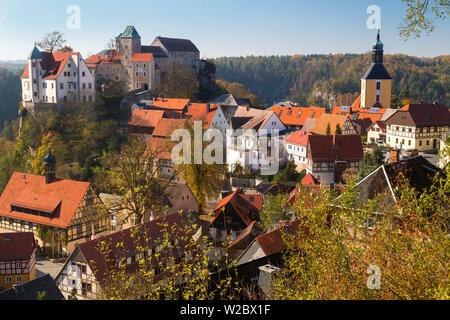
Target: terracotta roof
(137, 57)
(16, 246)
(299, 138)
(428, 114)
(322, 123)
(52, 63)
(241, 204)
(151, 232)
(160, 147)
(32, 192)
(170, 104)
(330, 148)
(165, 127)
(146, 118)
(309, 179)
(296, 116)
(272, 242)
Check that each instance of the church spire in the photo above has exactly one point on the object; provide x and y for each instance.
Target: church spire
(378, 51)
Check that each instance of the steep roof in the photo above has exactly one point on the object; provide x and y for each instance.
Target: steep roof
(157, 51)
(174, 44)
(165, 127)
(296, 116)
(16, 246)
(241, 204)
(309, 179)
(130, 32)
(332, 119)
(346, 147)
(147, 236)
(146, 118)
(377, 71)
(425, 114)
(299, 138)
(52, 63)
(30, 290)
(60, 198)
(256, 118)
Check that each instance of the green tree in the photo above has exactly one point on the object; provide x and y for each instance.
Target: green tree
(372, 161)
(328, 129)
(275, 209)
(288, 174)
(338, 130)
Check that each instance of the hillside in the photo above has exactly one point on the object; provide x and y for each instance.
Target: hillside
(10, 92)
(304, 79)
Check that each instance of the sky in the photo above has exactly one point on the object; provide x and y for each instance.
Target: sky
(217, 27)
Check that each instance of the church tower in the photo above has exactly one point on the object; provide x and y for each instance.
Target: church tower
(376, 84)
(50, 168)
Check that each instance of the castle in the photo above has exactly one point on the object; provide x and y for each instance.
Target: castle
(139, 66)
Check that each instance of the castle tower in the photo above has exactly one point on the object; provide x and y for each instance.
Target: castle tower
(35, 70)
(128, 43)
(376, 84)
(50, 165)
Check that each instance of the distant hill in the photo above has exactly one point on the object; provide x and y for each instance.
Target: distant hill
(10, 91)
(313, 79)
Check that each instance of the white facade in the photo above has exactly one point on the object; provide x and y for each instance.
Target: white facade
(74, 82)
(411, 137)
(254, 150)
(298, 153)
(375, 134)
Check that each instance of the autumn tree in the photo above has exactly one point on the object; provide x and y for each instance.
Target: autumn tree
(416, 19)
(275, 209)
(133, 173)
(204, 179)
(336, 251)
(179, 82)
(52, 42)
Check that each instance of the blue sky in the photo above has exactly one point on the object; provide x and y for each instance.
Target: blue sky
(219, 27)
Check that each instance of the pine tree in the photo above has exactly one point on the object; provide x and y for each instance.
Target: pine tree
(338, 130)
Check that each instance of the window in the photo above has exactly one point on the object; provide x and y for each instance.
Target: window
(83, 85)
(378, 98)
(44, 85)
(378, 85)
(18, 279)
(8, 280)
(137, 74)
(61, 86)
(90, 85)
(83, 74)
(420, 143)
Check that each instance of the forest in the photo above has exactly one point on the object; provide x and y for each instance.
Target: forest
(313, 79)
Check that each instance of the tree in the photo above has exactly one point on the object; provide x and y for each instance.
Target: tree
(65, 49)
(204, 180)
(372, 161)
(112, 44)
(180, 82)
(328, 129)
(416, 20)
(289, 174)
(52, 41)
(133, 173)
(338, 130)
(275, 209)
(332, 256)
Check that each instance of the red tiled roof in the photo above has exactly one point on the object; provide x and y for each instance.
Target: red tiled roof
(16, 246)
(296, 116)
(160, 147)
(165, 127)
(146, 118)
(138, 57)
(272, 243)
(309, 179)
(346, 147)
(152, 232)
(170, 104)
(52, 63)
(33, 192)
(241, 204)
(299, 138)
